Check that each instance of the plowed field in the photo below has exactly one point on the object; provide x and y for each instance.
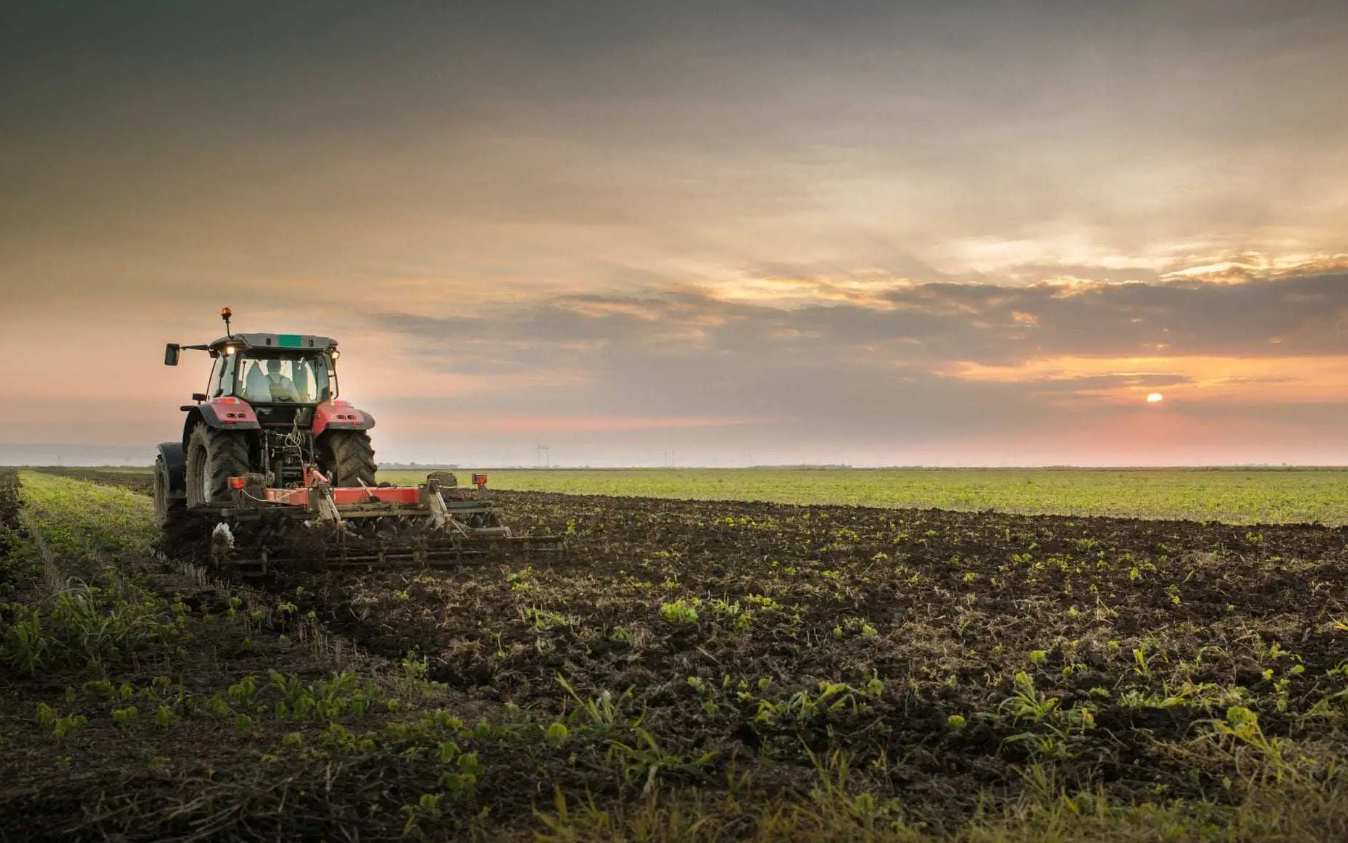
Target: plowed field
(945, 654)
(689, 671)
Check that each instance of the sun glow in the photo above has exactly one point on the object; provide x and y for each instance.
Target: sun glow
(1155, 398)
(1121, 381)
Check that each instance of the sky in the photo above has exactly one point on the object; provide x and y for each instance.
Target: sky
(930, 233)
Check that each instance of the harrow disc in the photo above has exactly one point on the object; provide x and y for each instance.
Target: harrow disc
(265, 547)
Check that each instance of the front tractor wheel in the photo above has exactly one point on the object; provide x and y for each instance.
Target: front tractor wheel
(349, 458)
(213, 456)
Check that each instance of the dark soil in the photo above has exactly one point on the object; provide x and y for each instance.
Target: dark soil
(942, 652)
(1154, 627)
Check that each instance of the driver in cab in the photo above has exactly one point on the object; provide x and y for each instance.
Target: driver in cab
(281, 387)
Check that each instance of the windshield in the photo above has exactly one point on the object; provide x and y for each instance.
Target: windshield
(281, 378)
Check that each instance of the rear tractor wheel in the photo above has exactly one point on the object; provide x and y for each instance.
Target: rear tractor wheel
(166, 509)
(214, 456)
(349, 458)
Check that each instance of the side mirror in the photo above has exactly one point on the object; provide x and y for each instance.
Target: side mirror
(198, 396)
(171, 354)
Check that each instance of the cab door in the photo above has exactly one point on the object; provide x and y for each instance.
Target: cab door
(221, 382)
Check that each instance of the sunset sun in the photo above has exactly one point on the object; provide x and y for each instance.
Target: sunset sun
(1155, 398)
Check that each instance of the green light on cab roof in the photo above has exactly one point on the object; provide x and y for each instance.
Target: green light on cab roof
(289, 340)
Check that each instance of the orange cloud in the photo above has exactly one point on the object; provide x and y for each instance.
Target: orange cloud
(801, 292)
(1188, 378)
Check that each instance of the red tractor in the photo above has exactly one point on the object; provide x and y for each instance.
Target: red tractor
(270, 441)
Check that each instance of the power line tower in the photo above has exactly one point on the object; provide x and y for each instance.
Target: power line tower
(545, 456)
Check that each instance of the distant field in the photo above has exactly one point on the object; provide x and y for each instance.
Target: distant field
(1234, 496)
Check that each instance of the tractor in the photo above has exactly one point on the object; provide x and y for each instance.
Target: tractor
(270, 446)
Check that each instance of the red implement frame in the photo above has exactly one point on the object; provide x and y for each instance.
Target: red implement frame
(442, 501)
(350, 495)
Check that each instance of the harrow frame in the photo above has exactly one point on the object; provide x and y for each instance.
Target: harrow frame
(433, 524)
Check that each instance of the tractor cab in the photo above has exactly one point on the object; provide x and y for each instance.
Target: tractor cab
(281, 376)
(272, 376)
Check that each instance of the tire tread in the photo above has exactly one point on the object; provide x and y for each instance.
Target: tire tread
(353, 458)
(225, 455)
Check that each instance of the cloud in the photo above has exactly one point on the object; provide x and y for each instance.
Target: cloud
(917, 361)
(931, 323)
(897, 224)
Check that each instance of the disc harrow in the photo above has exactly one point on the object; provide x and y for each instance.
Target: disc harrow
(316, 527)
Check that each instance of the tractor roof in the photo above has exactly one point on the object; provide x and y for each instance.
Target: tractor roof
(280, 342)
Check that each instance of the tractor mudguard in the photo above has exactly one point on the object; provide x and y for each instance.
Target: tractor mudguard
(216, 414)
(339, 415)
(232, 414)
(174, 458)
